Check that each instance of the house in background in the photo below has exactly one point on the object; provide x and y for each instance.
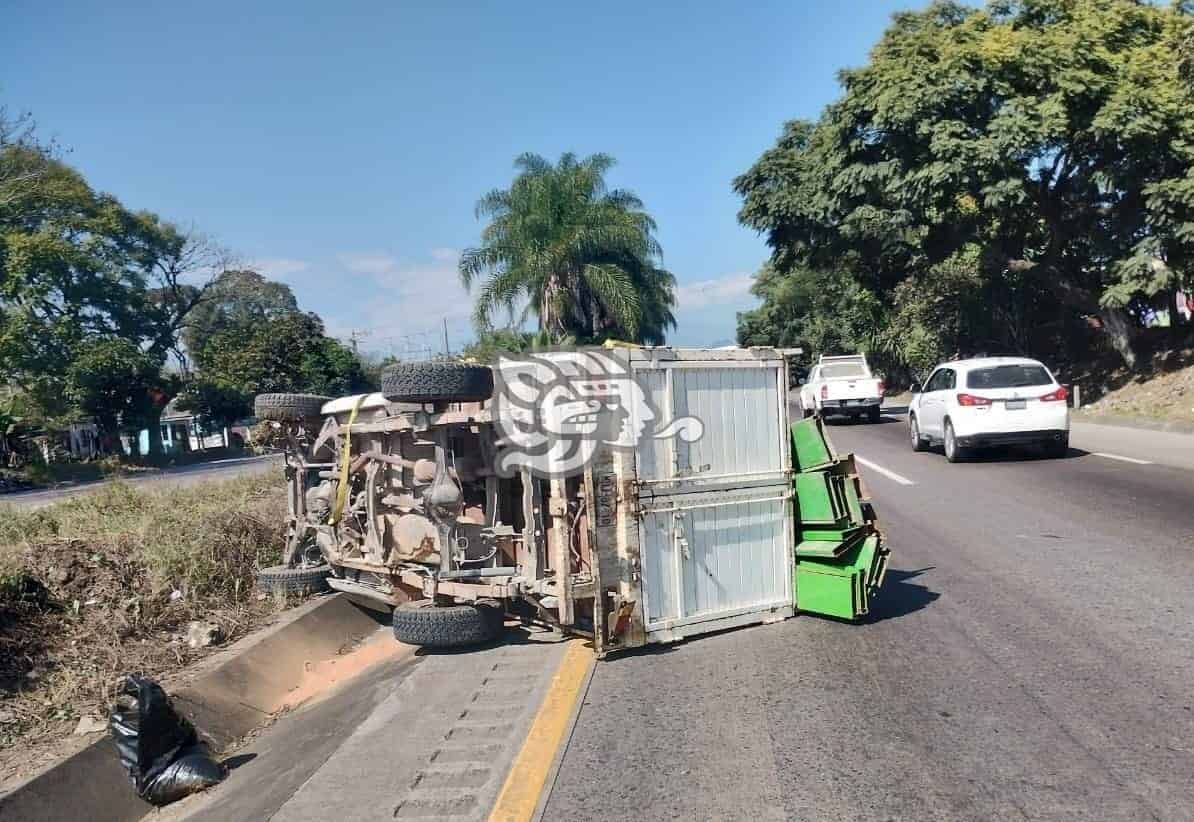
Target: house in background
(182, 431)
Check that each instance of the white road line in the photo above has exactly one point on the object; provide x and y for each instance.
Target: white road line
(887, 472)
(1121, 459)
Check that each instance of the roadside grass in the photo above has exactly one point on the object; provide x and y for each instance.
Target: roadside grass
(106, 584)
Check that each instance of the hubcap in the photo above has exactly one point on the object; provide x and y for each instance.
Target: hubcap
(949, 441)
(915, 433)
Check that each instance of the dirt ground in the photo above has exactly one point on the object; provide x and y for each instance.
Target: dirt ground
(1167, 393)
(109, 584)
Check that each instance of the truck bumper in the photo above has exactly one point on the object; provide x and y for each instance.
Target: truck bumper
(860, 406)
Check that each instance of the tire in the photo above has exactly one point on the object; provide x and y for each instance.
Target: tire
(805, 413)
(437, 382)
(873, 414)
(429, 625)
(953, 451)
(289, 407)
(286, 580)
(918, 442)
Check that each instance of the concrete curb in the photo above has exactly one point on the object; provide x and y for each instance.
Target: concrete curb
(1145, 423)
(227, 696)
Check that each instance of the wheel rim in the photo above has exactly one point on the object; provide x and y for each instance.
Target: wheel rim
(949, 441)
(915, 432)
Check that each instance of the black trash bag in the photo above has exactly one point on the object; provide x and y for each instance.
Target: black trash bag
(191, 772)
(159, 749)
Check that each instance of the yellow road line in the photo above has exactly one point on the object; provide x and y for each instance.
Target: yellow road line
(524, 783)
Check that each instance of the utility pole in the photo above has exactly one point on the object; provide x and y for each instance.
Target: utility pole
(447, 351)
(354, 337)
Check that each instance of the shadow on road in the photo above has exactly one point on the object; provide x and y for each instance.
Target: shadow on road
(832, 419)
(985, 456)
(234, 762)
(512, 635)
(900, 597)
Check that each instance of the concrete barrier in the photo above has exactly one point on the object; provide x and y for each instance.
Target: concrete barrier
(227, 696)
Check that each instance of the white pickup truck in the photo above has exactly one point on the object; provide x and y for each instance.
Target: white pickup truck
(842, 385)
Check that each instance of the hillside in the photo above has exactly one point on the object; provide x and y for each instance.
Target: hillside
(1163, 389)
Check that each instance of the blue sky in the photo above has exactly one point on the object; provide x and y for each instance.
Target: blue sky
(341, 147)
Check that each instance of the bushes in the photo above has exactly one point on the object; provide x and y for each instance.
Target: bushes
(104, 584)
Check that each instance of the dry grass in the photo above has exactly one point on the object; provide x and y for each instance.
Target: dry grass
(1163, 388)
(1164, 394)
(103, 584)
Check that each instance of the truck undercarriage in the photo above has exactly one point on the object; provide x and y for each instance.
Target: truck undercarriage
(404, 499)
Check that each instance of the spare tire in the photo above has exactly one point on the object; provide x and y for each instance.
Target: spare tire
(429, 625)
(437, 382)
(289, 407)
(286, 580)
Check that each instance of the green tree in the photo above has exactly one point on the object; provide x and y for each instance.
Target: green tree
(285, 353)
(118, 384)
(78, 272)
(1054, 139)
(581, 257)
(493, 343)
(238, 299)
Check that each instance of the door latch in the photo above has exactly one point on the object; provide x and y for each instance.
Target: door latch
(678, 534)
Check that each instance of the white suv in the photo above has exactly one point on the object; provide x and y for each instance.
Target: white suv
(990, 401)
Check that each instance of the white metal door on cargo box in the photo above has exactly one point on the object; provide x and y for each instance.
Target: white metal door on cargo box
(715, 535)
(715, 556)
(741, 407)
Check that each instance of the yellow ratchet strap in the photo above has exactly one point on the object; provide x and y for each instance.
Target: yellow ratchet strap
(342, 491)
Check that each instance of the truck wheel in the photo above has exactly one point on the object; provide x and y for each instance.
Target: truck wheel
(437, 382)
(289, 407)
(286, 580)
(873, 414)
(447, 626)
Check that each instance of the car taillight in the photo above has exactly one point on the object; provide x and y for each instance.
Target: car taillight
(970, 400)
(824, 392)
(882, 387)
(1059, 395)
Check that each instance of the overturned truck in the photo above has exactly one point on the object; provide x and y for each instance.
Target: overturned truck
(629, 495)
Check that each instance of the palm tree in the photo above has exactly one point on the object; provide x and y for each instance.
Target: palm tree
(581, 257)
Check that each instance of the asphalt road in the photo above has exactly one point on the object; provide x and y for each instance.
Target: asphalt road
(169, 477)
(1031, 657)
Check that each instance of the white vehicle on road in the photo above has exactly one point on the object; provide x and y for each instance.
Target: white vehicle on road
(988, 402)
(842, 385)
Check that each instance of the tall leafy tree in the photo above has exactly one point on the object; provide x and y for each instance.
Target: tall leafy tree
(1048, 143)
(80, 274)
(287, 352)
(236, 299)
(581, 257)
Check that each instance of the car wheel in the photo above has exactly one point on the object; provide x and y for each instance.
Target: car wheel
(953, 451)
(289, 407)
(873, 414)
(429, 625)
(918, 442)
(423, 382)
(282, 579)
